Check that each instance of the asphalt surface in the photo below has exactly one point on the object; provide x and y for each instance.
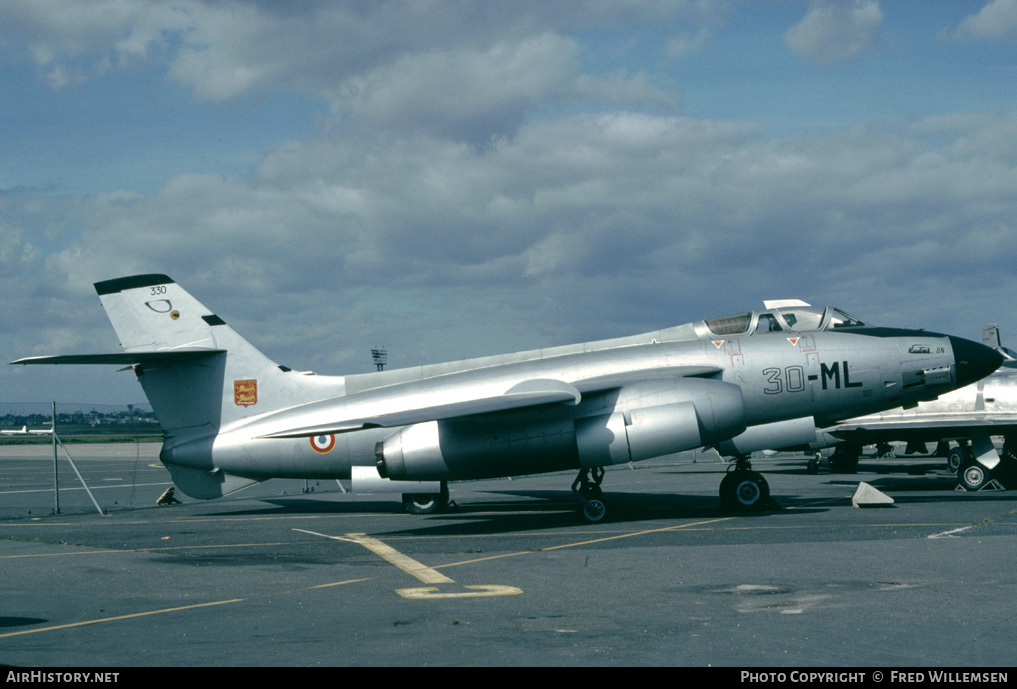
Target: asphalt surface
(514, 576)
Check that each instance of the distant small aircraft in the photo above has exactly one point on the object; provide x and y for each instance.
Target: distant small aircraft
(969, 416)
(26, 431)
(740, 383)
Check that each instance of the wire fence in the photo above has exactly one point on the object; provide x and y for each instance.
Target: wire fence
(101, 458)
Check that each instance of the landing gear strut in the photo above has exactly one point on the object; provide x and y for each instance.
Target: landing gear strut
(743, 489)
(587, 487)
(844, 459)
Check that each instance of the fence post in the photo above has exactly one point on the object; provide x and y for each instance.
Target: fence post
(56, 472)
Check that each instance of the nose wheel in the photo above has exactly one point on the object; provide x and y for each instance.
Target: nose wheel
(587, 488)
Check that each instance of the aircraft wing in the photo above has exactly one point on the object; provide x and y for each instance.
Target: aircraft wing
(944, 424)
(529, 393)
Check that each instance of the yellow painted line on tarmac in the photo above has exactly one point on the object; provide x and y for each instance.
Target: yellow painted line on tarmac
(335, 583)
(153, 549)
(420, 571)
(404, 562)
(75, 552)
(432, 592)
(676, 527)
(119, 618)
(631, 534)
(131, 616)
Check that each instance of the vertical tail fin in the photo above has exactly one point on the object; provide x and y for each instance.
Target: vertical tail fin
(990, 336)
(198, 395)
(153, 313)
(200, 376)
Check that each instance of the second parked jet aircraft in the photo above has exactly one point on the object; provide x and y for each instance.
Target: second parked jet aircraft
(970, 416)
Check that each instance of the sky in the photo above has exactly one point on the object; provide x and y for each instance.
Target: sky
(456, 179)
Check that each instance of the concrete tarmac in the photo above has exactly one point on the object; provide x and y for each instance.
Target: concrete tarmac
(513, 576)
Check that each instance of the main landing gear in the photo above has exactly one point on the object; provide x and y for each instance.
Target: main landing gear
(587, 487)
(743, 489)
(426, 503)
(974, 476)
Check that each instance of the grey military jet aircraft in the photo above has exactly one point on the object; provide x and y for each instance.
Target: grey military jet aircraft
(969, 416)
(740, 383)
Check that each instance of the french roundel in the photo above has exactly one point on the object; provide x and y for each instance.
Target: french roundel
(322, 443)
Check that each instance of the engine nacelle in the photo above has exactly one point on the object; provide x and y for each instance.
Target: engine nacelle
(695, 412)
(482, 446)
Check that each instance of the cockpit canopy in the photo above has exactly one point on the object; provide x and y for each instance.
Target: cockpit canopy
(788, 315)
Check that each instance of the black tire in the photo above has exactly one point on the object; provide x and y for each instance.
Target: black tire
(426, 503)
(744, 491)
(594, 511)
(973, 476)
(956, 457)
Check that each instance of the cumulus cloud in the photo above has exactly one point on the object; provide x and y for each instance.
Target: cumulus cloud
(450, 92)
(996, 20)
(834, 31)
(475, 186)
(388, 61)
(579, 227)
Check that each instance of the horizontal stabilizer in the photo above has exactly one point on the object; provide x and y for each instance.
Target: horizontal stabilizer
(121, 358)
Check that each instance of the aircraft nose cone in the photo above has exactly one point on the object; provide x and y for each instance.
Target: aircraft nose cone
(974, 360)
